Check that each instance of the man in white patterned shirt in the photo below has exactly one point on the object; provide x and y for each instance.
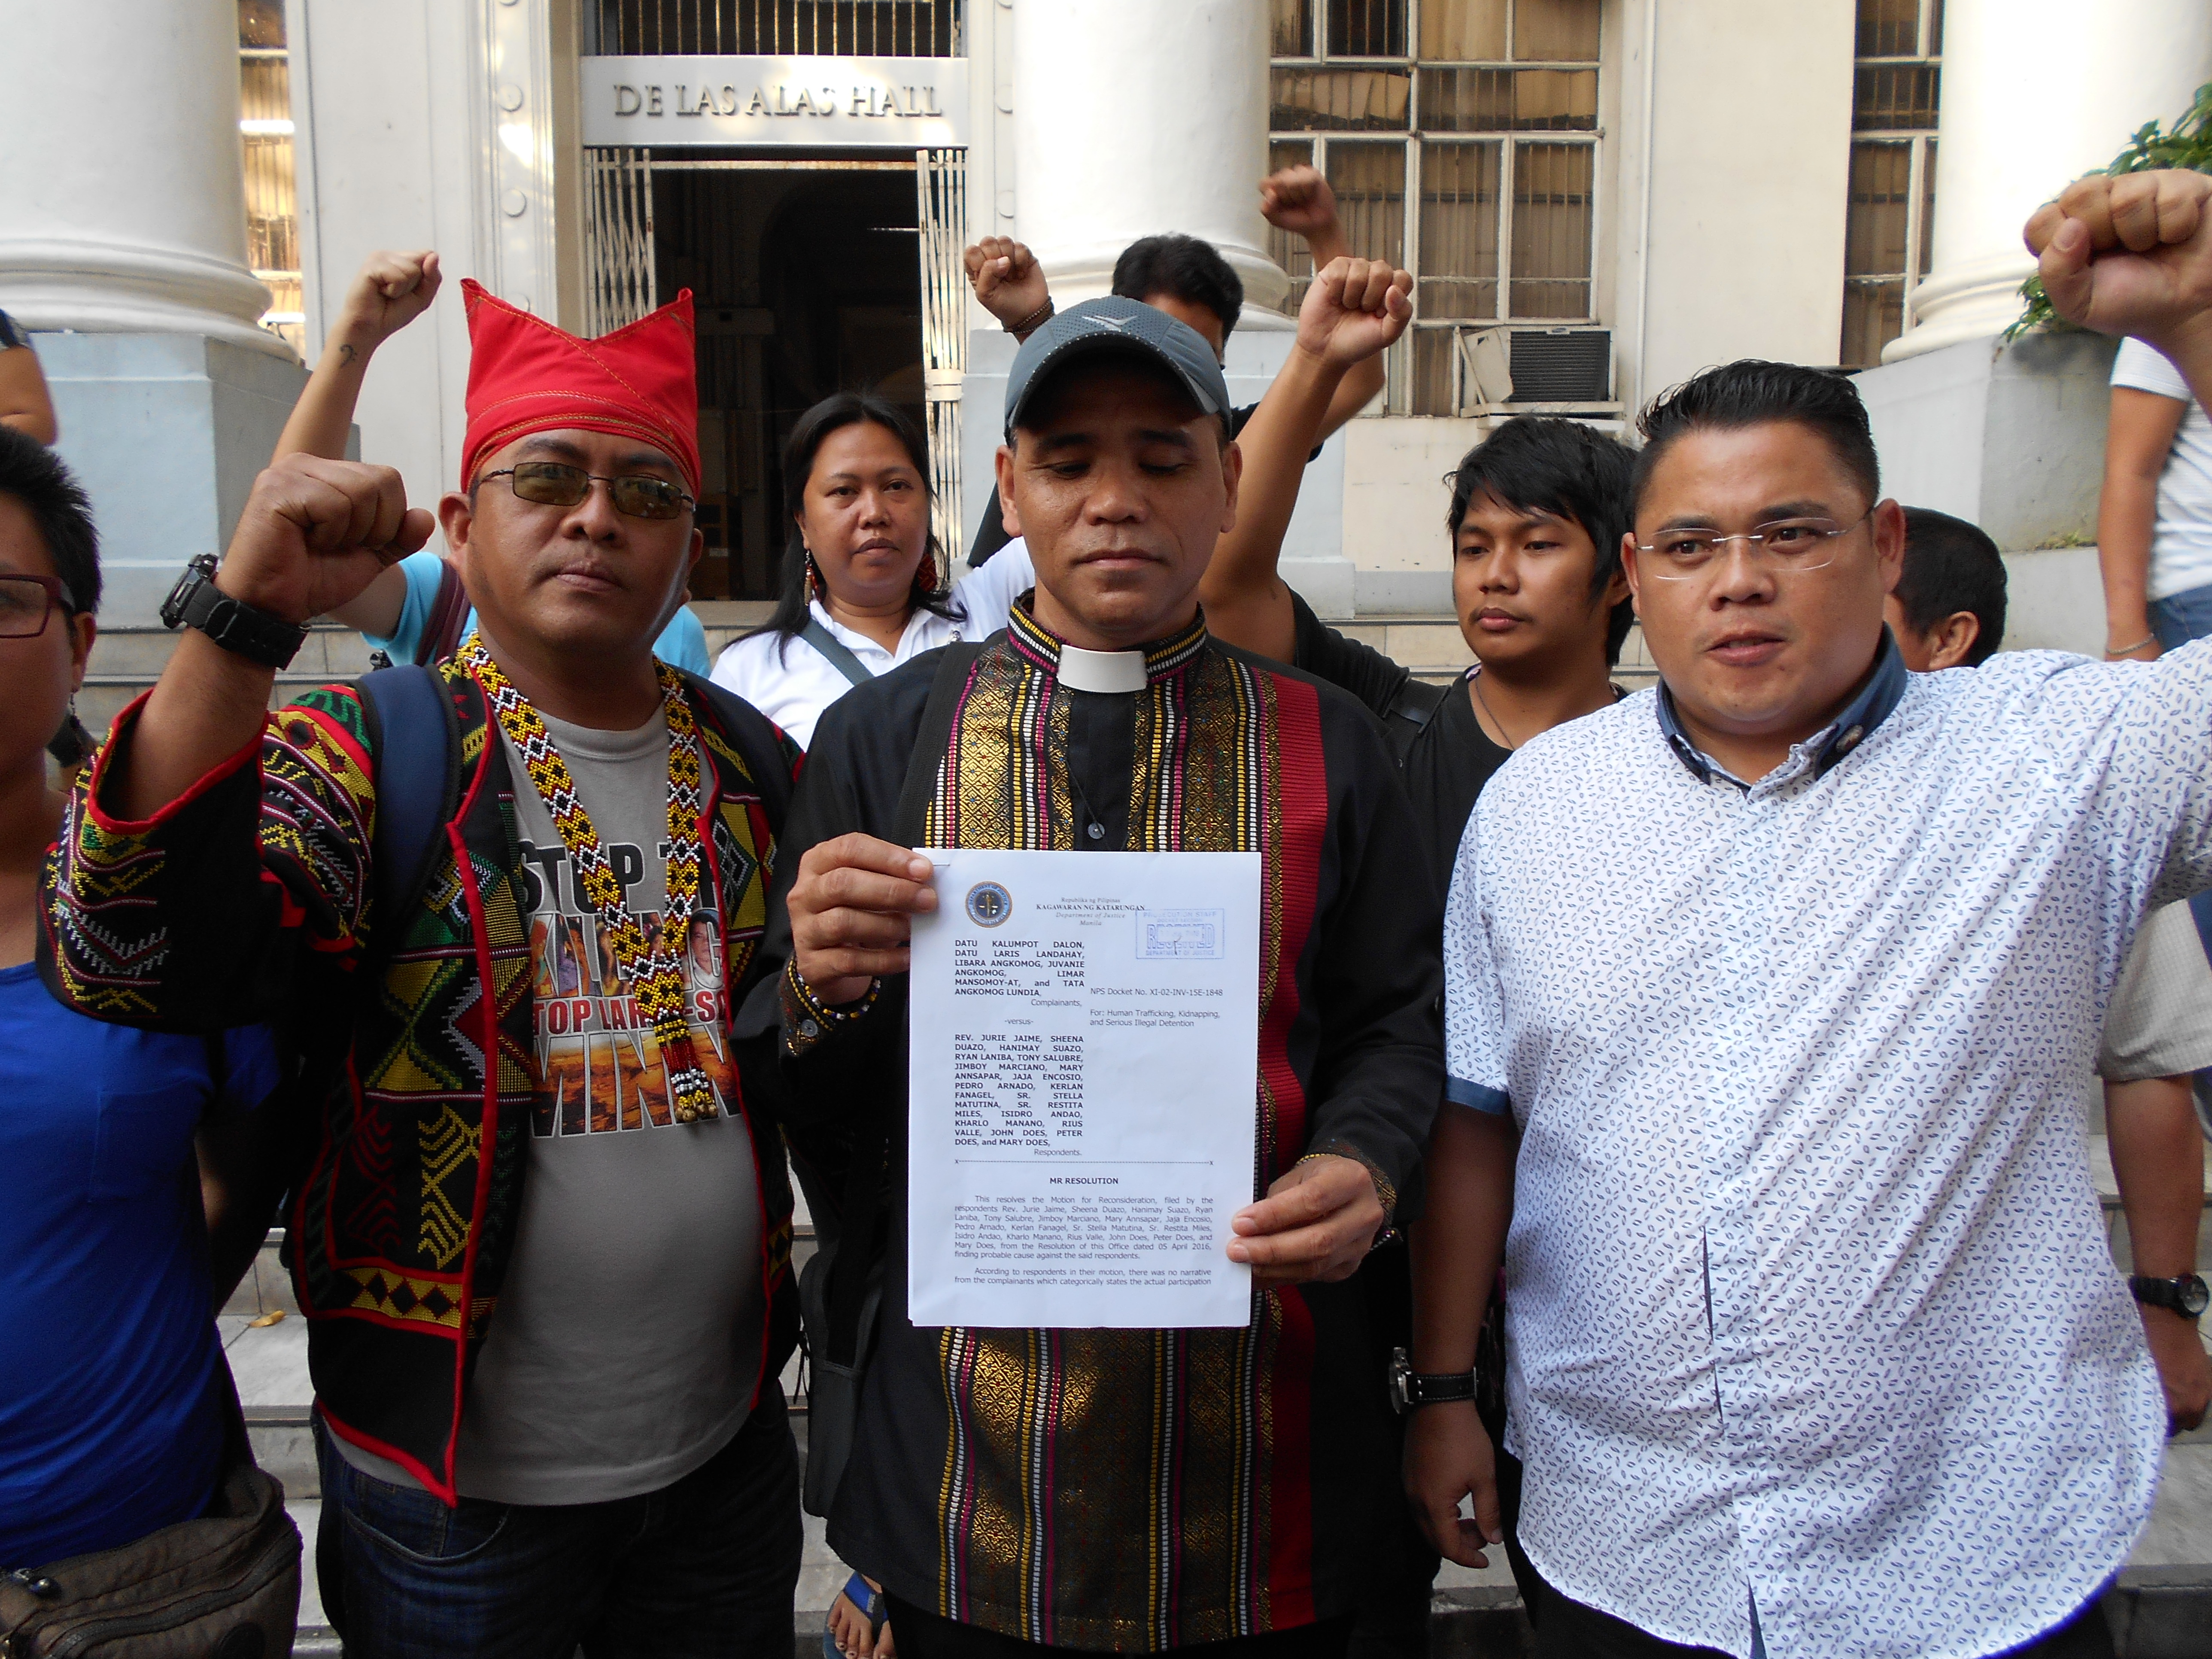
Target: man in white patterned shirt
(1791, 974)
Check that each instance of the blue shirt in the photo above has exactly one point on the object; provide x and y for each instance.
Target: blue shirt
(108, 1350)
(681, 644)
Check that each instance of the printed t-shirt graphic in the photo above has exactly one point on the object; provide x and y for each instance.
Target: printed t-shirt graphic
(598, 1066)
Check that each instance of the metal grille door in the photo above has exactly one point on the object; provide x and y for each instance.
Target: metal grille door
(840, 29)
(617, 238)
(941, 187)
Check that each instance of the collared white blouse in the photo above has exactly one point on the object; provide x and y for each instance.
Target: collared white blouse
(792, 683)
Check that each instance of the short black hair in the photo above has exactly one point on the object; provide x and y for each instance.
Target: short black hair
(1752, 392)
(1541, 462)
(1192, 270)
(50, 493)
(1952, 566)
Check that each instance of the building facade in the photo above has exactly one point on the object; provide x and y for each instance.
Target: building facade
(1596, 197)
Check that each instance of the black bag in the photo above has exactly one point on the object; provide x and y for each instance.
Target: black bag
(225, 1586)
(840, 1290)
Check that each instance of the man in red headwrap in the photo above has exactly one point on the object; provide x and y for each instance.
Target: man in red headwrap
(501, 910)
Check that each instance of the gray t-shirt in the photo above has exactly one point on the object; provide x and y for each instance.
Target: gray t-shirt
(629, 1333)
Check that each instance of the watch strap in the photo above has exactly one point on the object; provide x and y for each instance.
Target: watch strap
(1438, 1387)
(234, 625)
(2184, 1294)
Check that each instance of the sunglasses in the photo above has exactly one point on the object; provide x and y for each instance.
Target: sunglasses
(26, 602)
(554, 484)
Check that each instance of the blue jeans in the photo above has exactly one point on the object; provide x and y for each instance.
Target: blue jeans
(704, 1569)
(2177, 619)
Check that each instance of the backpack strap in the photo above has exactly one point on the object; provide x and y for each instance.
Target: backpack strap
(863, 1214)
(1413, 708)
(835, 652)
(754, 733)
(449, 612)
(415, 745)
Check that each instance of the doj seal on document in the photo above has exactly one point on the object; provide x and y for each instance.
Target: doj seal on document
(989, 905)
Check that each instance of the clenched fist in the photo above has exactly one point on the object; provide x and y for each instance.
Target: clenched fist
(1298, 199)
(1009, 282)
(1352, 309)
(315, 532)
(389, 291)
(2130, 255)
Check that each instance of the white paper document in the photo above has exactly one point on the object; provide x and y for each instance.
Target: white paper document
(1082, 1083)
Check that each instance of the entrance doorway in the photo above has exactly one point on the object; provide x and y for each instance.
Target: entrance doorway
(805, 279)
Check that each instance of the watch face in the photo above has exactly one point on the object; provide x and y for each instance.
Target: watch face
(2194, 1297)
(173, 608)
(1401, 1374)
(196, 571)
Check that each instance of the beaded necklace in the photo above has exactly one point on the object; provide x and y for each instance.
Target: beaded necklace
(656, 976)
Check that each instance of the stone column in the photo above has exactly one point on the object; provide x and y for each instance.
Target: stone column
(1130, 118)
(122, 206)
(1134, 117)
(2036, 93)
(123, 251)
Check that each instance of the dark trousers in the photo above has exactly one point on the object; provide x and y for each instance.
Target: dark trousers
(1572, 1630)
(926, 1636)
(703, 1569)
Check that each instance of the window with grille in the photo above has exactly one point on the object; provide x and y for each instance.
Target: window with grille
(1460, 139)
(264, 135)
(837, 29)
(1893, 182)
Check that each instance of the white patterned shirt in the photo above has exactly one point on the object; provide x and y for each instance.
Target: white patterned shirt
(1809, 1301)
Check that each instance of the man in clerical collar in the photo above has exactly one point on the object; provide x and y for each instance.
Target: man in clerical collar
(1135, 1490)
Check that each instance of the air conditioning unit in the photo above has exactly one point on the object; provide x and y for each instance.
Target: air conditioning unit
(1562, 365)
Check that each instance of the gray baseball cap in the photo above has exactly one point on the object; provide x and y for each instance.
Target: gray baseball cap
(1128, 327)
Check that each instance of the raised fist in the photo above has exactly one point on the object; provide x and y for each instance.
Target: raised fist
(389, 291)
(1298, 199)
(1355, 308)
(315, 532)
(1009, 282)
(2130, 255)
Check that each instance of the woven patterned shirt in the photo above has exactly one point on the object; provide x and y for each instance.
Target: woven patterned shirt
(1809, 1303)
(1138, 1490)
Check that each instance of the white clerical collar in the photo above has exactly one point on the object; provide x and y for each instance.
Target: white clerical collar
(1101, 670)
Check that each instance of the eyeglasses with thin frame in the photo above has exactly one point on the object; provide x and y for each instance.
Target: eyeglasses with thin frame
(555, 484)
(1790, 544)
(27, 601)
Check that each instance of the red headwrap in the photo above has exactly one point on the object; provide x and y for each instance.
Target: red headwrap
(525, 376)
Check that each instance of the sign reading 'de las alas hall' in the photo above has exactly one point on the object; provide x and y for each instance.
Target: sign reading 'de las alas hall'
(845, 103)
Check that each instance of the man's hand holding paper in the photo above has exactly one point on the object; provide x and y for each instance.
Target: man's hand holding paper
(852, 909)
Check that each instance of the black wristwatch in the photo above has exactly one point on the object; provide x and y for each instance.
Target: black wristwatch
(1410, 1388)
(2186, 1295)
(197, 602)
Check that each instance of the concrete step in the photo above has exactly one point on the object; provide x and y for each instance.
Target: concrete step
(1431, 645)
(127, 659)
